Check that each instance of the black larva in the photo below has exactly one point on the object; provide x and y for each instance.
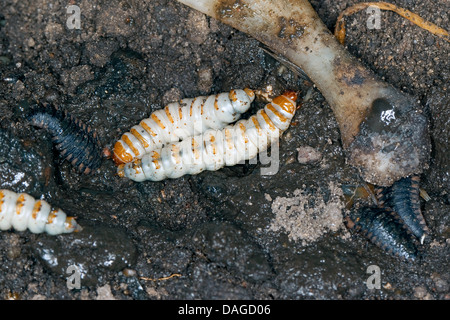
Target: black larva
(384, 228)
(76, 141)
(403, 198)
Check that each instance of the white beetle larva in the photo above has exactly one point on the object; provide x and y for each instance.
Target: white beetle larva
(215, 149)
(179, 120)
(21, 211)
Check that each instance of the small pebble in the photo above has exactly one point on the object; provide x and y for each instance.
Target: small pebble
(420, 292)
(307, 154)
(104, 293)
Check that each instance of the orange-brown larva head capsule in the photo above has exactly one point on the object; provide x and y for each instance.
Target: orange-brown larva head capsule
(291, 95)
(287, 101)
(120, 155)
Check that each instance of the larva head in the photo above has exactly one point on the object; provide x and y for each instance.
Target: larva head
(291, 95)
(287, 101)
(121, 154)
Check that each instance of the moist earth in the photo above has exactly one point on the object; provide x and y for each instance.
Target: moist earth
(266, 229)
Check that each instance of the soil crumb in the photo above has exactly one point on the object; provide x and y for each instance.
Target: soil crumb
(306, 217)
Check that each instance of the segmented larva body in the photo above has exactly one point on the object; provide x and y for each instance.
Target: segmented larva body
(385, 228)
(180, 120)
(21, 211)
(215, 149)
(76, 141)
(403, 198)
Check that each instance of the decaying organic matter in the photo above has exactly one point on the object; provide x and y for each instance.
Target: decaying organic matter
(383, 131)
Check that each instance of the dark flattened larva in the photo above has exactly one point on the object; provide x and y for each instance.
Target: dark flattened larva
(385, 229)
(403, 198)
(75, 141)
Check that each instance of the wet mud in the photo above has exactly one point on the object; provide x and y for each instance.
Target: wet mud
(266, 229)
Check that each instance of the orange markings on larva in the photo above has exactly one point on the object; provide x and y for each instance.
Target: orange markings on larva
(249, 92)
(242, 127)
(195, 150)
(180, 113)
(157, 165)
(120, 171)
(176, 153)
(156, 156)
(233, 95)
(284, 102)
(268, 121)
(52, 216)
(193, 143)
(276, 112)
(37, 207)
(291, 95)
(216, 102)
(20, 203)
(2, 195)
(158, 122)
(228, 138)
(166, 109)
(70, 221)
(141, 139)
(201, 107)
(213, 145)
(192, 106)
(196, 153)
(137, 165)
(256, 123)
(136, 162)
(120, 154)
(147, 128)
(131, 145)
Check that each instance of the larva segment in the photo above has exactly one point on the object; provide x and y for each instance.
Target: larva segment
(20, 211)
(23, 208)
(215, 149)
(180, 120)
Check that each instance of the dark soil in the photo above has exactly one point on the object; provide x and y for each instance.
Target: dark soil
(217, 235)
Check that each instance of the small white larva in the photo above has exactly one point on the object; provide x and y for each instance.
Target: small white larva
(21, 211)
(215, 149)
(180, 120)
